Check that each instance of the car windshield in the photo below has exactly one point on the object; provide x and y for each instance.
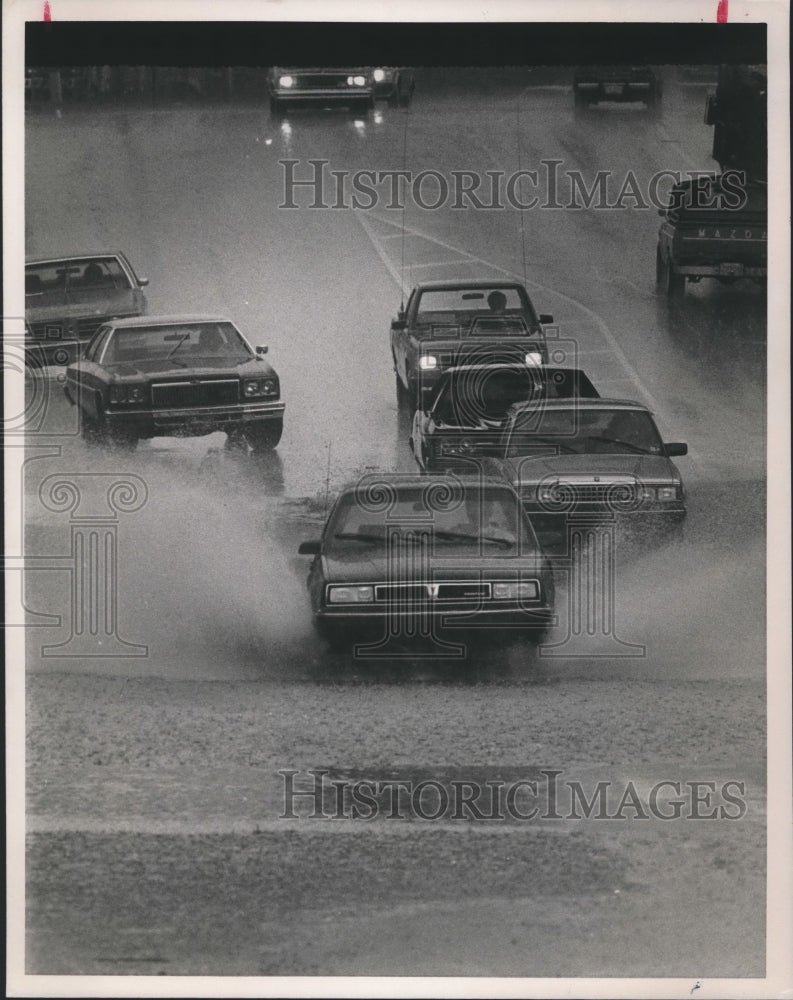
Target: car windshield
(489, 518)
(186, 342)
(470, 398)
(583, 431)
(475, 311)
(75, 277)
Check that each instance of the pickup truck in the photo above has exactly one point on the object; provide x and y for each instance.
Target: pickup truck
(713, 227)
(450, 323)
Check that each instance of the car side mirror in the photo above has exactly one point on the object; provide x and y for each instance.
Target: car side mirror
(675, 448)
(309, 548)
(546, 318)
(262, 349)
(143, 282)
(398, 324)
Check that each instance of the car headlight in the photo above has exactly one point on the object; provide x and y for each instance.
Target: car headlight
(533, 358)
(528, 590)
(379, 75)
(351, 595)
(127, 394)
(356, 81)
(667, 493)
(254, 387)
(428, 361)
(286, 81)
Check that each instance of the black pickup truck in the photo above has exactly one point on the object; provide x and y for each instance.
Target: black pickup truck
(713, 227)
(449, 323)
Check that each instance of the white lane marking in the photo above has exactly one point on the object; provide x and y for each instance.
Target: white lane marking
(392, 270)
(597, 320)
(663, 132)
(437, 263)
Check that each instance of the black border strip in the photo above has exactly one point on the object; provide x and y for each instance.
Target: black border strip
(267, 43)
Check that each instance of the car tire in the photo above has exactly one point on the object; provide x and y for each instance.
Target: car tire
(333, 635)
(91, 430)
(123, 440)
(405, 91)
(672, 285)
(264, 437)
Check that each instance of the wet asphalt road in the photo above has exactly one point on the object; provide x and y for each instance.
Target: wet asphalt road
(154, 793)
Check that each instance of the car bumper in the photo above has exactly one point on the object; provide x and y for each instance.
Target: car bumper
(593, 90)
(408, 620)
(724, 269)
(643, 520)
(323, 95)
(194, 420)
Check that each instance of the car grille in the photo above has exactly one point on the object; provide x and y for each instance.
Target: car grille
(615, 496)
(202, 392)
(323, 81)
(414, 593)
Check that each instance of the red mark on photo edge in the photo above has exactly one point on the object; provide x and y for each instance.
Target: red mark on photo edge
(721, 12)
(48, 13)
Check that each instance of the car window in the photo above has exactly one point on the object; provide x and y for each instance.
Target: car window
(74, 276)
(489, 518)
(94, 347)
(445, 300)
(184, 341)
(585, 431)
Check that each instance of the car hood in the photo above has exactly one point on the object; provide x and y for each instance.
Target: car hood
(456, 564)
(178, 368)
(481, 347)
(588, 468)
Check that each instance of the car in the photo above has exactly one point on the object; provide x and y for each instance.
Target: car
(407, 558)
(393, 84)
(175, 376)
(67, 299)
(593, 457)
(449, 323)
(623, 84)
(712, 228)
(320, 87)
(464, 414)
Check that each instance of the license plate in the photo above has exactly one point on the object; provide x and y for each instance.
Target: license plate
(613, 89)
(731, 269)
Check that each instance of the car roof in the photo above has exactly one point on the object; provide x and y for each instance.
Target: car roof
(83, 255)
(451, 286)
(176, 320)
